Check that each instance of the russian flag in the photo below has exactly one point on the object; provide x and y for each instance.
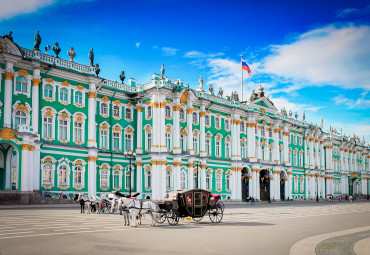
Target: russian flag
(246, 67)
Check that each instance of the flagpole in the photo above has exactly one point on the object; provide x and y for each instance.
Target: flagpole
(241, 65)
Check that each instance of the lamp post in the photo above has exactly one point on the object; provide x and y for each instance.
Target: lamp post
(130, 155)
(197, 162)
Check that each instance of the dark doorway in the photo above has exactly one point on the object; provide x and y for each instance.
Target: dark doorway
(245, 184)
(282, 189)
(264, 185)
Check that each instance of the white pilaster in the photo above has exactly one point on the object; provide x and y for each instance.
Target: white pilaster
(91, 132)
(176, 127)
(139, 130)
(202, 138)
(251, 143)
(8, 94)
(189, 112)
(91, 167)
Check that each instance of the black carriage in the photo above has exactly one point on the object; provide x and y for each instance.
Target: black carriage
(194, 203)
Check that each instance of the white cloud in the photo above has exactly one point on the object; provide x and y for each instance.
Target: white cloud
(331, 55)
(360, 129)
(344, 13)
(12, 8)
(281, 102)
(359, 103)
(168, 51)
(137, 44)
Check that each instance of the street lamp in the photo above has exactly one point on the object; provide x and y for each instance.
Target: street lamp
(130, 155)
(197, 161)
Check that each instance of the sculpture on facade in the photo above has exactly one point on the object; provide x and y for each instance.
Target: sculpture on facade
(91, 57)
(162, 71)
(9, 36)
(56, 49)
(234, 96)
(322, 122)
(201, 84)
(97, 69)
(122, 76)
(303, 117)
(253, 96)
(71, 53)
(290, 113)
(210, 89)
(296, 115)
(48, 47)
(36, 45)
(220, 92)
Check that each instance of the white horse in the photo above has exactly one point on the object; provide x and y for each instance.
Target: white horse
(136, 207)
(84, 202)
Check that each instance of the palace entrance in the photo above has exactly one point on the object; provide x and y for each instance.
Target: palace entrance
(283, 179)
(264, 185)
(8, 167)
(245, 184)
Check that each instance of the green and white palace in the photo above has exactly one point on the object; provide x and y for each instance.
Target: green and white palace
(64, 129)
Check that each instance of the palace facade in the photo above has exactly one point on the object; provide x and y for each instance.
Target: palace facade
(64, 129)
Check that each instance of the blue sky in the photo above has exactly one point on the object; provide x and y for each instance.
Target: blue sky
(311, 56)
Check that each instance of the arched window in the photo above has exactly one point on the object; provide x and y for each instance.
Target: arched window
(242, 127)
(195, 145)
(217, 122)
(48, 91)
(104, 108)
(104, 181)
(116, 111)
(168, 140)
(62, 179)
(242, 149)
(295, 158)
(116, 179)
(227, 149)
(262, 131)
(78, 97)
(295, 184)
(218, 148)
(182, 114)
(227, 124)
(128, 114)
(183, 142)
(21, 84)
(63, 96)
(168, 180)
(301, 159)
(167, 111)
(195, 118)
(77, 177)
(207, 120)
(208, 181)
(301, 184)
(129, 180)
(149, 179)
(20, 118)
(227, 182)
(148, 112)
(183, 180)
(218, 182)
(263, 152)
(46, 174)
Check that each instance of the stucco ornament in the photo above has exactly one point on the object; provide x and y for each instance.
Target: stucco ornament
(7, 134)
(36, 45)
(71, 53)
(56, 49)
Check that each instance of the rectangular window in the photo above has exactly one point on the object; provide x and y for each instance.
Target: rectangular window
(168, 141)
(63, 129)
(227, 150)
(218, 143)
(47, 127)
(78, 132)
(208, 147)
(128, 140)
(195, 145)
(148, 141)
(116, 140)
(104, 138)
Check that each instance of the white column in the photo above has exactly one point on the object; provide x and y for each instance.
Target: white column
(254, 184)
(322, 158)
(35, 101)
(306, 186)
(163, 188)
(139, 177)
(162, 119)
(139, 130)
(364, 185)
(272, 186)
(318, 185)
(313, 185)
(251, 142)
(202, 138)
(8, 94)
(91, 142)
(36, 167)
(235, 134)
(275, 136)
(176, 127)
(189, 112)
(290, 184)
(277, 186)
(317, 159)
(156, 138)
(190, 174)
(312, 162)
(286, 146)
(155, 180)
(250, 185)
(27, 163)
(91, 167)
(202, 176)
(176, 175)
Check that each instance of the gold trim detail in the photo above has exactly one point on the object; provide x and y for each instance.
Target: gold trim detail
(27, 147)
(92, 94)
(36, 82)
(9, 75)
(91, 158)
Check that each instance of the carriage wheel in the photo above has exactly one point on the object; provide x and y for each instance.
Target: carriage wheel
(216, 214)
(197, 219)
(221, 205)
(162, 217)
(172, 218)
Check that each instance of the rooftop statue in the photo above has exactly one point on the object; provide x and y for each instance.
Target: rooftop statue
(296, 115)
(48, 47)
(91, 57)
(290, 113)
(162, 71)
(201, 84)
(9, 36)
(71, 53)
(56, 49)
(303, 116)
(220, 92)
(322, 122)
(210, 89)
(122, 76)
(253, 96)
(234, 96)
(97, 69)
(36, 45)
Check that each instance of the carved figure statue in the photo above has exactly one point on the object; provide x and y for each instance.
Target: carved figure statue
(71, 53)
(36, 45)
(91, 57)
(296, 115)
(122, 76)
(201, 84)
(253, 96)
(234, 96)
(97, 69)
(210, 89)
(48, 47)
(9, 36)
(56, 49)
(220, 92)
(303, 116)
(290, 113)
(322, 122)
(162, 71)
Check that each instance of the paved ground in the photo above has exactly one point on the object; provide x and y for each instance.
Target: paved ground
(266, 229)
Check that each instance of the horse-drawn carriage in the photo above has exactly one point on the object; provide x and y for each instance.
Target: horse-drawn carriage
(194, 203)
